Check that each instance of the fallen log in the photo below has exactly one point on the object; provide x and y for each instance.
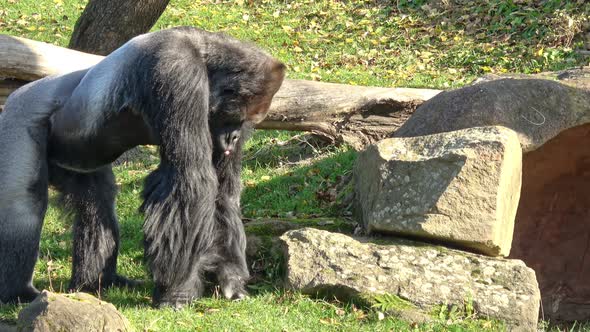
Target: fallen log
(356, 115)
(6, 88)
(30, 60)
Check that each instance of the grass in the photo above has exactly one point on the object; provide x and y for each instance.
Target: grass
(384, 43)
(410, 43)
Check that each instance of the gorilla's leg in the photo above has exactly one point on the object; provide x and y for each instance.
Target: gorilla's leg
(24, 127)
(20, 231)
(231, 270)
(91, 196)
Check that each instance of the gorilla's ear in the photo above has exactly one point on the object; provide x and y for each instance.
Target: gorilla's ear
(259, 105)
(276, 76)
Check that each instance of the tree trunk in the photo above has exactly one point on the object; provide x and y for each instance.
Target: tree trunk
(107, 24)
(356, 115)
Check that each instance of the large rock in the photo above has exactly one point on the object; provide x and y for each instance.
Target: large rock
(553, 220)
(78, 312)
(460, 187)
(320, 262)
(537, 110)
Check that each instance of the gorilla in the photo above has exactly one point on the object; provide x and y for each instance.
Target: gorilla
(196, 95)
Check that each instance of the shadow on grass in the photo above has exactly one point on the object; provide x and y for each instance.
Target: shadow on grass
(311, 190)
(276, 148)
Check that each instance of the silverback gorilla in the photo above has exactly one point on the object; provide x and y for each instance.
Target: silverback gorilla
(191, 92)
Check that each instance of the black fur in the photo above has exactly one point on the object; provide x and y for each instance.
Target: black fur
(232, 271)
(193, 93)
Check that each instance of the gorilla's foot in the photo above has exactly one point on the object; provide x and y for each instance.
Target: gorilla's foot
(175, 298)
(175, 301)
(233, 288)
(28, 294)
(232, 280)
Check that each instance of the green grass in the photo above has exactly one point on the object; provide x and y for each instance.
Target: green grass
(409, 43)
(275, 186)
(365, 42)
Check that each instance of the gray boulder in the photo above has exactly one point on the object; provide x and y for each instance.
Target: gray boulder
(331, 264)
(79, 312)
(460, 188)
(537, 110)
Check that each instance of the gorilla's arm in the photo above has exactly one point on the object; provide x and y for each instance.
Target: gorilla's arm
(232, 270)
(179, 196)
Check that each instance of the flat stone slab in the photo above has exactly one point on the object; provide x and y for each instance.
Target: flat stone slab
(460, 188)
(332, 264)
